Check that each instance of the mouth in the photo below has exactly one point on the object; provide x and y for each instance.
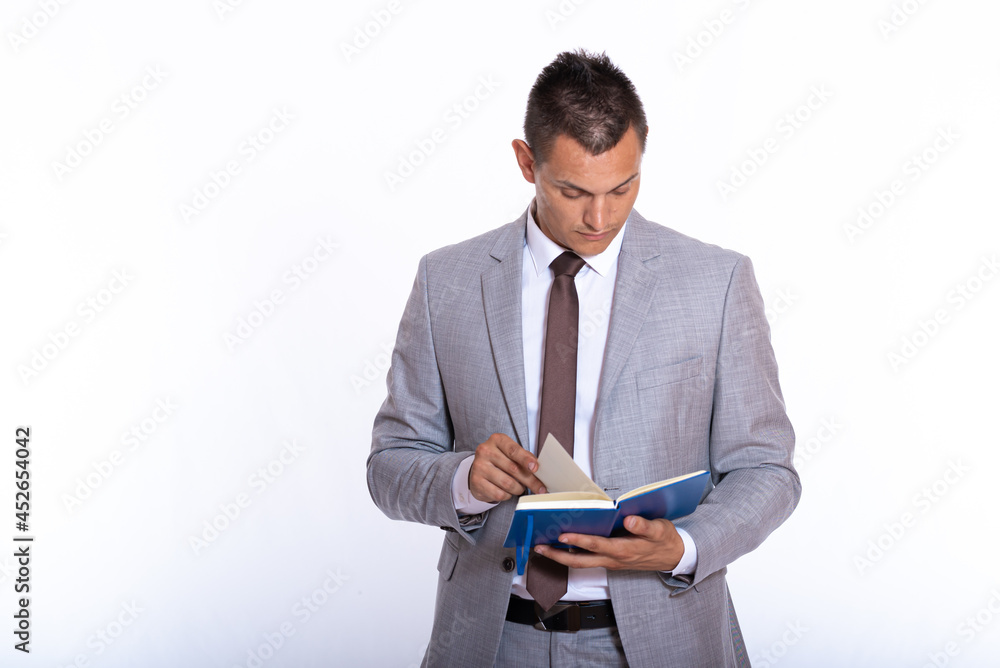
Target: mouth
(595, 237)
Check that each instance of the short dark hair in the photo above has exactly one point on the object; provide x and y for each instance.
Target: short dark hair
(584, 96)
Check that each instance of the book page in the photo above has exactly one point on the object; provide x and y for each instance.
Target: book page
(654, 485)
(564, 500)
(559, 473)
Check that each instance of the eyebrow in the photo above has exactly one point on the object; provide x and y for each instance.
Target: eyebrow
(570, 184)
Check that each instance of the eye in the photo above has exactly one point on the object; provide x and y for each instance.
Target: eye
(620, 191)
(571, 194)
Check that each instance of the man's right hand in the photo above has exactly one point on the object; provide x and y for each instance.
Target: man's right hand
(502, 469)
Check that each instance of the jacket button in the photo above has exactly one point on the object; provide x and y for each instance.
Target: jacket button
(508, 564)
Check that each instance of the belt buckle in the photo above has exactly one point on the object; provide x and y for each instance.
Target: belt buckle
(572, 618)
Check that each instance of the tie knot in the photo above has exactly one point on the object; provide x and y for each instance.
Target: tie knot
(567, 264)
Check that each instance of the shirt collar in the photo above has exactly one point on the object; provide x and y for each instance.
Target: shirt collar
(543, 250)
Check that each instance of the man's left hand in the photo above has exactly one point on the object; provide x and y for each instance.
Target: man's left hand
(654, 545)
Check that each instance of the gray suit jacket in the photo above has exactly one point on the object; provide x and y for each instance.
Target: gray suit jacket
(689, 382)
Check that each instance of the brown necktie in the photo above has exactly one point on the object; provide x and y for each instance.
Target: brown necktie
(557, 413)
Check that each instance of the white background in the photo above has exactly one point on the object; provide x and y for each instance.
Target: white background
(894, 544)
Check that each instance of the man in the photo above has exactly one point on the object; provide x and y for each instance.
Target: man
(669, 351)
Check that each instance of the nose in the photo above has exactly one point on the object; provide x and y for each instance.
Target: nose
(596, 215)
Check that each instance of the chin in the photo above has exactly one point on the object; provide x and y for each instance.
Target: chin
(592, 248)
(588, 247)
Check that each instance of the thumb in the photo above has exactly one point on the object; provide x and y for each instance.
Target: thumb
(638, 526)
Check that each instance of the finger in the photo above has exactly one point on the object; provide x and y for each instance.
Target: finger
(495, 477)
(596, 544)
(489, 491)
(653, 530)
(504, 465)
(522, 457)
(503, 442)
(527, 481)
(530, 481)
(489, 483)
(638, 526)
(518, 463)
(502, 490)
(577, 559)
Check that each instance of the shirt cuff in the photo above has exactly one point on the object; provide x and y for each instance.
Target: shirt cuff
(689, 560)
(465, 503)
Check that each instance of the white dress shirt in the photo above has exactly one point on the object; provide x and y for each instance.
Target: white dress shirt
(595, 284)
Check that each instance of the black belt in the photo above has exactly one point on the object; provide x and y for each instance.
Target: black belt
(563, 616)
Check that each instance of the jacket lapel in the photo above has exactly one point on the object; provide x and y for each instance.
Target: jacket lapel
(634, 289)
(502, 303)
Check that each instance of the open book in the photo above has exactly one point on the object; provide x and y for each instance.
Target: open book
(575, 504)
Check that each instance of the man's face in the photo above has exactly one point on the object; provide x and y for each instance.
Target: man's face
(582, 199)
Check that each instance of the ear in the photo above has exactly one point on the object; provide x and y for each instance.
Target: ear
(525, 159)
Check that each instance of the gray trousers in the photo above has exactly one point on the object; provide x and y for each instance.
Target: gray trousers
(524, 646)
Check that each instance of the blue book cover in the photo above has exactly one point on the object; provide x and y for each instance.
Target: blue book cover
(540, 518)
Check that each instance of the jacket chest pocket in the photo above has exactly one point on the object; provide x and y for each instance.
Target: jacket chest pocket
(668, 374)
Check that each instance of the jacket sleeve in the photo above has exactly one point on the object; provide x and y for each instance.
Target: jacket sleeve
(413, 459)
(751, 439)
